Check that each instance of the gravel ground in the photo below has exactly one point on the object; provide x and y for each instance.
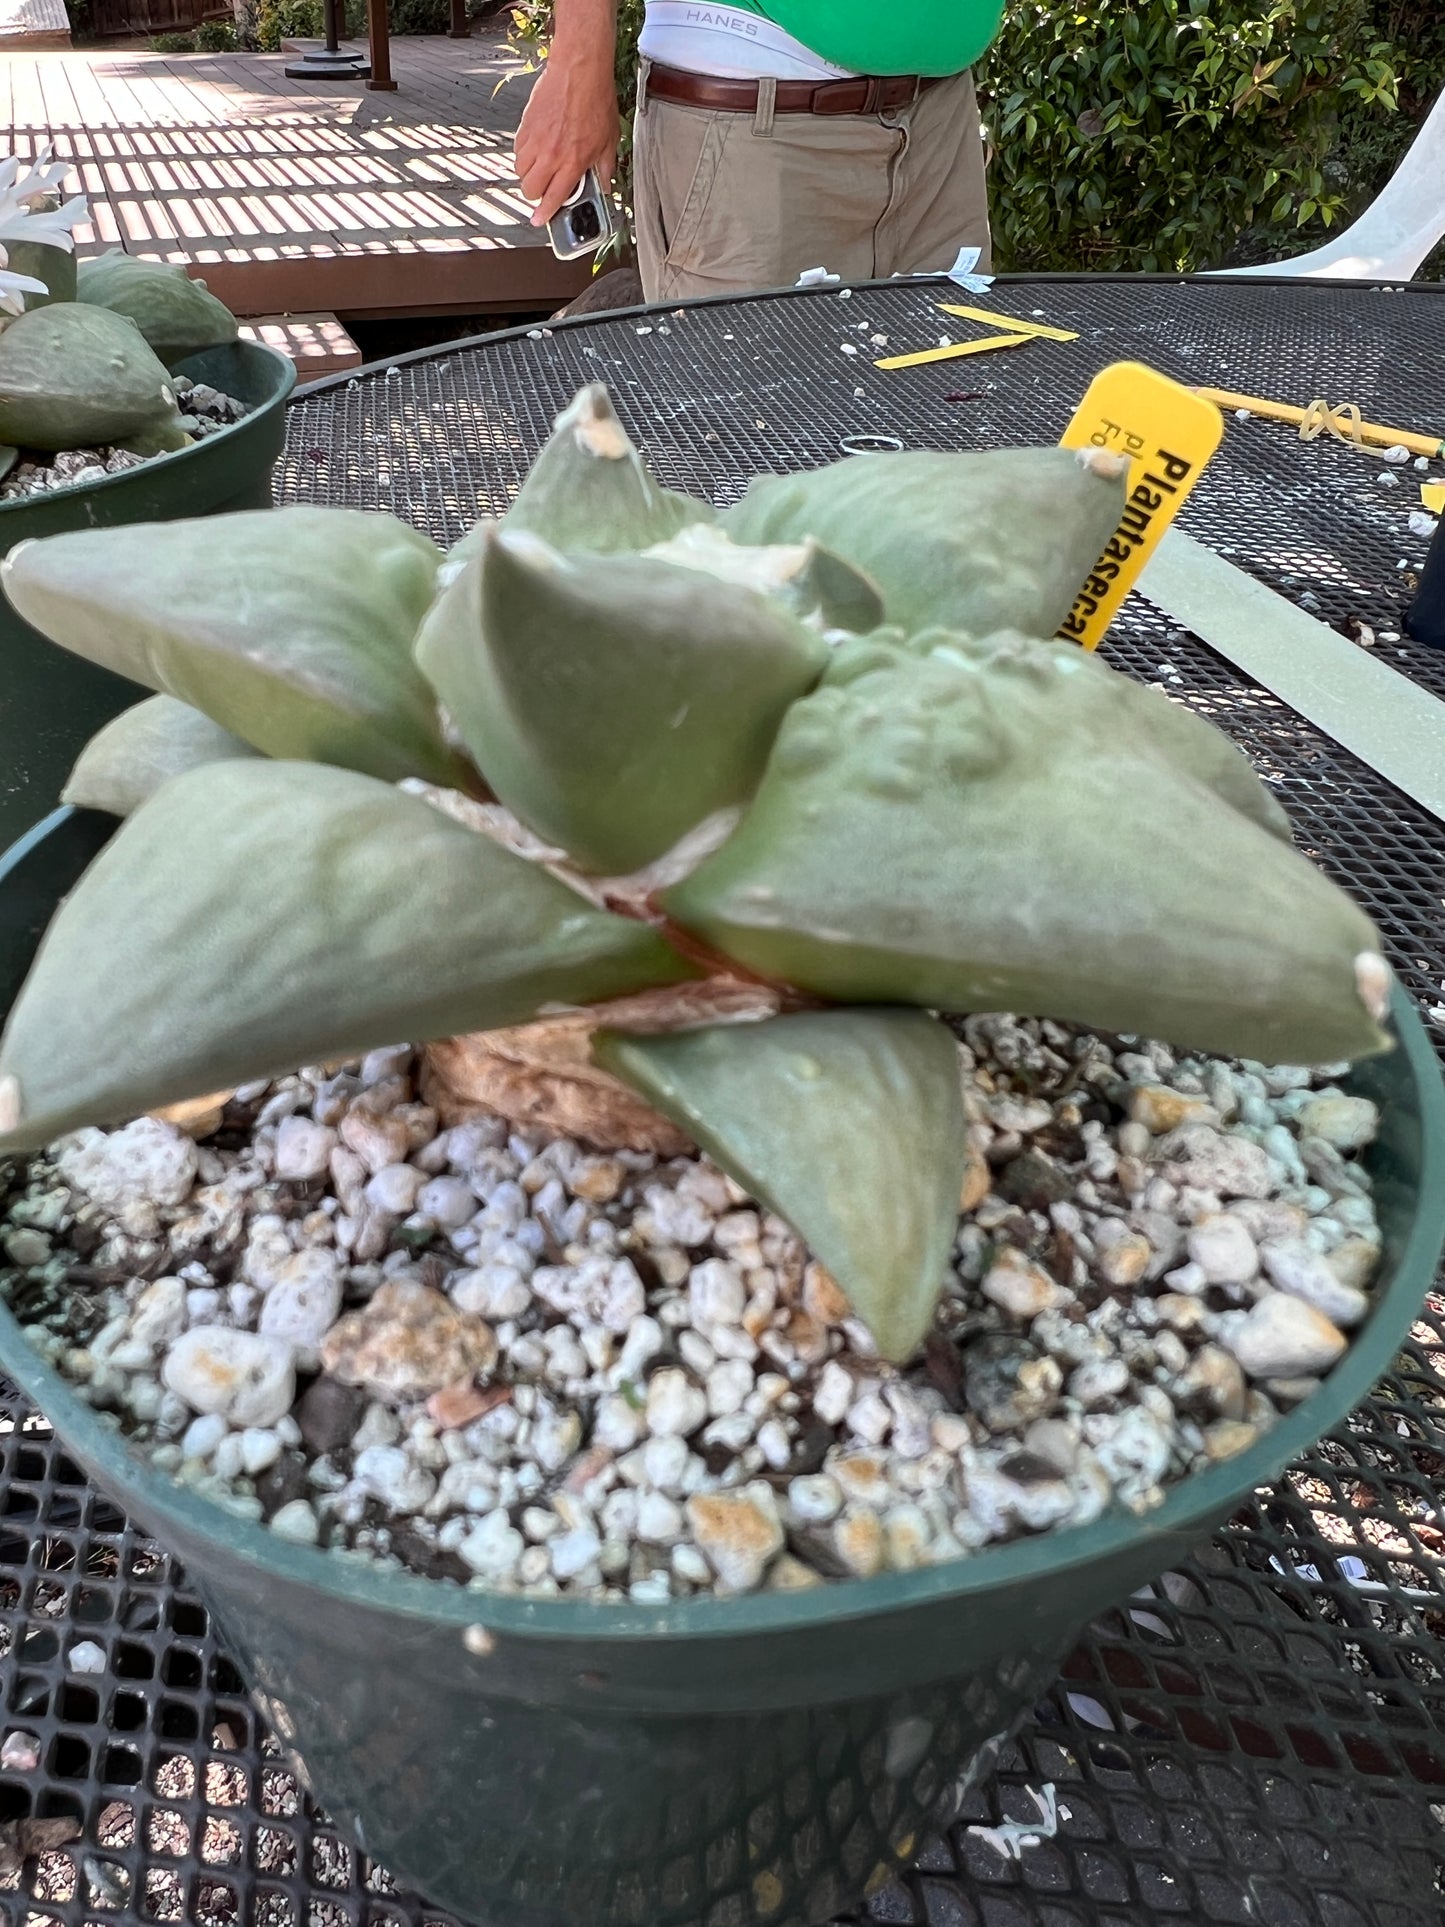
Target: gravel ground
(205, 411)
(525, 1365)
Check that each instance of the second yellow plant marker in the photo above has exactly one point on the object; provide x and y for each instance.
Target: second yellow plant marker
(1169, 433)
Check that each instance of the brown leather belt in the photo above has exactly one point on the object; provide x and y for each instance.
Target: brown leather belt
(865, 94)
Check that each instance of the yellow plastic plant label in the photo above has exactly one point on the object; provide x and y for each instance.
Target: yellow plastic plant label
(1169, 434)
(1432, 494)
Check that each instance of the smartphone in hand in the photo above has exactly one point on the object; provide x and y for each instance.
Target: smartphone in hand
(583, 223)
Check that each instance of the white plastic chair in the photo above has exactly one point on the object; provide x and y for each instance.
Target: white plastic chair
(1396, 232)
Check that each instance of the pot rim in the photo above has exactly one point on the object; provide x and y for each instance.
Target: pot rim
(1190, 1506)
(276, 399)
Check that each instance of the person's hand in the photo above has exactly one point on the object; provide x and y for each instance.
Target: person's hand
(570, 123)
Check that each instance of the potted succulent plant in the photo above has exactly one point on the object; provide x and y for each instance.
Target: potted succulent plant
(105, 366)
(647, 1436)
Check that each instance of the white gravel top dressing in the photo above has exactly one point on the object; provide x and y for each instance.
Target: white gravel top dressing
(526, 1365)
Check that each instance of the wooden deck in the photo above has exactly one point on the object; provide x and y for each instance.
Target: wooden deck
(291, 196)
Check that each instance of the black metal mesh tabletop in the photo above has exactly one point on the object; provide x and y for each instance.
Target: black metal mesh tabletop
(1261, 1738)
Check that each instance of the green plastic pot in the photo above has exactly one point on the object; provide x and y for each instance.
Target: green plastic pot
(51, 704)
(718, 1763)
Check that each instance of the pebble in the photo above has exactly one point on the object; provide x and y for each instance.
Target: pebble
(493, 1546)
(1299, 1269)
(1282, 1337)
(86, 1657)
(1229, 1167)
(303, 1150)
(716, 1293)
(296, 1521)
(160, 1313)
(660, 1520)
(1217, 1377)
(674, 1404)
(815, 1499)
(388, 1474)
(408, 1341)
(328, 1413)
(448, 1202)
(858, 1542)
(304, 1302)
(377, 1141)
(738, 1533)
(1220, 1245)
(1161, 1110)
(203, 1435)
(833, 1394)
(147, 1162)
(571, 1553)
(395, 1188)
(1354, 1261)
(1125, 1261)
(20, 1752)
(1347, 1123)
(1022, 1288)
(245, 1377)
(495, 1292)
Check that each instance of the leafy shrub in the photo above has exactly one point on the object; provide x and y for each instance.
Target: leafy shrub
(172, 43)
(216, 37)
(1175, 134)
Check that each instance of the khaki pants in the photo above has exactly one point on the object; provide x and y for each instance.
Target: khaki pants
(728, 202)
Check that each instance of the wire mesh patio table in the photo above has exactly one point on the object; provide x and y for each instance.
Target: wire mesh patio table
(1260, 1737)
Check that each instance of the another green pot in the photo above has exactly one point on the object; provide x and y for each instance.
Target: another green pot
(549, 1763)
(52, 703)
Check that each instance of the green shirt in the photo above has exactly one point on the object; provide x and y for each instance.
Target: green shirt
(887, 36)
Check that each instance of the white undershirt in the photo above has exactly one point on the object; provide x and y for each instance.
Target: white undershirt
(718, 40)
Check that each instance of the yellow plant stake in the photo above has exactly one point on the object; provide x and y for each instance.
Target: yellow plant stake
(953, 349)
(1169, 433)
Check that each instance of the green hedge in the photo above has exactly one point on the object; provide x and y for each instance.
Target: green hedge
(1173, 134)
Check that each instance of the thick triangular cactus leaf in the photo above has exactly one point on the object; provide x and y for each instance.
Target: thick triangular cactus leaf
(975, 542)
(254, 916)
(613, 702)
(1003, 829)
(77, 377)
(848, 1123)
(55, 266)
(176, 313)
(811, 581)
(292, 628)
(590, 489)
(1183, 739)
(142, 748)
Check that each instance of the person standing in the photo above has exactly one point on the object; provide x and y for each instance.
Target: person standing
(773, 136)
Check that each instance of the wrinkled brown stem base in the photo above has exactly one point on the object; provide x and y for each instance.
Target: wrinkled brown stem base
(541, 1077)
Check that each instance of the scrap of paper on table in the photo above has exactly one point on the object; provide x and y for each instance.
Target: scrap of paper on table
(1432, 495)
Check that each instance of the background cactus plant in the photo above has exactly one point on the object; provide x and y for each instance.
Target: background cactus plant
(84, 351)
(865, 829)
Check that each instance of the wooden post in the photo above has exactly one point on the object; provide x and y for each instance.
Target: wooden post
(461, 27)
(379, 34)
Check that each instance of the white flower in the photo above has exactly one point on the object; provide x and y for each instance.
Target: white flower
(15, 287)
(24, 211)
(25, 215)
